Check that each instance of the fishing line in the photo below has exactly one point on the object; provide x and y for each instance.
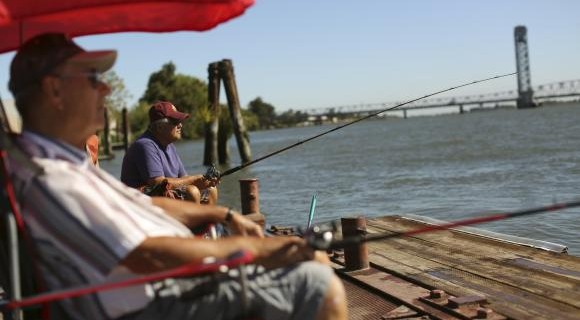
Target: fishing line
(240, 167)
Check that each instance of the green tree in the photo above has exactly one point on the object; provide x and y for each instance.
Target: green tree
(160, 82)
(116, 101)
(187, 93)
(250, 120)
(291, 118)
(139, 118)
(264, 112)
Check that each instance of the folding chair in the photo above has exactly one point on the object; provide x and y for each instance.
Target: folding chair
(18, 277)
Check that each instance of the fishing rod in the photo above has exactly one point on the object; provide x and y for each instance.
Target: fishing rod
(312, 210)
(322, 239)
(242, 166)
(316, 237)
(190, 269)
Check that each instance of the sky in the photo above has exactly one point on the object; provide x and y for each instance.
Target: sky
(304, 54)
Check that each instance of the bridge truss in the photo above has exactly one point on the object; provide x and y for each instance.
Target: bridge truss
(554, 90)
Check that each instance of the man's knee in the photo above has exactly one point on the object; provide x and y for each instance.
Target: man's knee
(212, 195)
(334, 303)
(193, 193)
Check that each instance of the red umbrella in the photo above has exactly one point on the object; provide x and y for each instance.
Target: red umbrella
(22, 19)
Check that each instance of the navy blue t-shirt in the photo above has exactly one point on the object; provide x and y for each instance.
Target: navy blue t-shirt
(146, 159)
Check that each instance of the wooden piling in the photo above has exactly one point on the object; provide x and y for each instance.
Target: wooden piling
(250, 198)
(223, 147)
(107, 146)
(211, 128)
(125, 129)
(227, 74)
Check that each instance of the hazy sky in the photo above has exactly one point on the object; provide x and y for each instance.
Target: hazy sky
(303, 54)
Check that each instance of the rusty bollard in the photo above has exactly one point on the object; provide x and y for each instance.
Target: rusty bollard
(250, 196)
(356, 257)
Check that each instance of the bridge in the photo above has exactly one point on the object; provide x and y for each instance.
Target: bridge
(525, 97)
(555, 90)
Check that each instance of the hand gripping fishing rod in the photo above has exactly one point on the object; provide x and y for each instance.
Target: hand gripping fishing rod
(323, 239)
(247, 164)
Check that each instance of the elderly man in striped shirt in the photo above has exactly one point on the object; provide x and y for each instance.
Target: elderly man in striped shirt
(88, 228)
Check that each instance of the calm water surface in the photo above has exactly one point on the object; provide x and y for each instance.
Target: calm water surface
(446, 167)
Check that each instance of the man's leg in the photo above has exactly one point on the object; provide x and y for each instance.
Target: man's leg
(305, 291)
(193, 194)
(334, 304)
(212, 195)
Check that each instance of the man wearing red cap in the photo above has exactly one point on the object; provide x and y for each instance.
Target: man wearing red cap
(89, 228)
(152, 158)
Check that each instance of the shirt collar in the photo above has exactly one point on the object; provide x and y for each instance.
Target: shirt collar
(150, 135)
(39, 145)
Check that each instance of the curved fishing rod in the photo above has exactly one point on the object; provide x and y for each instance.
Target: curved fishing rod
(323, 239)
(240, 167)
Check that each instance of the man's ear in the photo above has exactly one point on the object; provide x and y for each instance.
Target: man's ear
(51, 88)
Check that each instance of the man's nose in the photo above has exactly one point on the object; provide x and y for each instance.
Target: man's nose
(104, 88)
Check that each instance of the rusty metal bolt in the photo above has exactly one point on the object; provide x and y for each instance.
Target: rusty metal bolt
(436, 294)
(483, 313)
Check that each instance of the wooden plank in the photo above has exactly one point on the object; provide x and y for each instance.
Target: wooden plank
(399, 289)
(501, 249)
(505, 300)
(555, 286)
(499, 271)
(558, 265)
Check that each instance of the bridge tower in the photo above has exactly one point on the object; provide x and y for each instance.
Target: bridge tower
(525, 92)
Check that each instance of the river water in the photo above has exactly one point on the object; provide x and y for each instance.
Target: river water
(446, 167)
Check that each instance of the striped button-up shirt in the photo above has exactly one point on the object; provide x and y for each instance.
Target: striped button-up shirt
(84, 222)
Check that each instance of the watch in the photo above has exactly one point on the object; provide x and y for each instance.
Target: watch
(229, 216)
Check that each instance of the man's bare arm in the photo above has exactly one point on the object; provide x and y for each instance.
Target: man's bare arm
(197, 180)
(162, 253)
(185, 180)
(193, 215)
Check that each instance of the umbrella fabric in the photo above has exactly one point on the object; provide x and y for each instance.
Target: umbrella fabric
(22, 19)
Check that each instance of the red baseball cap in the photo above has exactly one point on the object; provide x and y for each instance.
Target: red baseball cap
(164, 109)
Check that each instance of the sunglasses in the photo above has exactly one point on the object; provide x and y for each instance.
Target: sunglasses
(95, 78)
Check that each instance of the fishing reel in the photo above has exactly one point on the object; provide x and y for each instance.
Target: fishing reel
(320, 237)
(212, 173)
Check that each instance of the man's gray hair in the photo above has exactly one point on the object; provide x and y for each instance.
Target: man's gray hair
(158, 122)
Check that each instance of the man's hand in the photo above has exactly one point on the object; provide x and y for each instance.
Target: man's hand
(243, 226)
(282, 251)
(203, 183)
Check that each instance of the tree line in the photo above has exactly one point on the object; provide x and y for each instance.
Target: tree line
(190, 95)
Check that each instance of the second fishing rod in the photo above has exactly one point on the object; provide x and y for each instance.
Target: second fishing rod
(322, 239)
(213, 173)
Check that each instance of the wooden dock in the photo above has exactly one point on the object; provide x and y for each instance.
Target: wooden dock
(456, 275)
